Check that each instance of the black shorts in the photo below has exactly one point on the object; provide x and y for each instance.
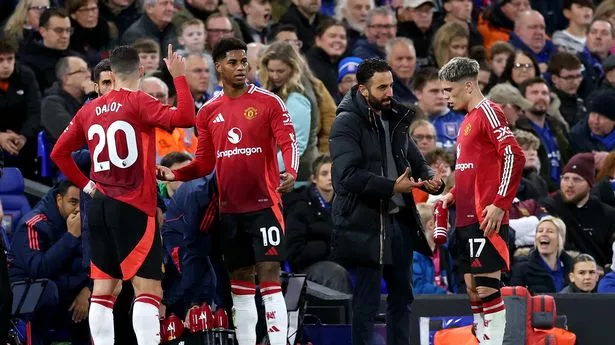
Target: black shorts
(478, 254)
(125, 242)
(248, 238)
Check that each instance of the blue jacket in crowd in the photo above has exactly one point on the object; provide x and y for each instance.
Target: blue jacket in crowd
(607, 283)
(423, 271)
(447, 127)
(541, 57)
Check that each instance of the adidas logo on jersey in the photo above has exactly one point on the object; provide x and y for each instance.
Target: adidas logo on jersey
(219, 118)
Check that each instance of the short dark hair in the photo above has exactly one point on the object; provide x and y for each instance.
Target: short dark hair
(602, 19)
(63, 186)
(103, 66)
(369, 67)
(226, 45)
(529, 82)
(281, 28)
(422, 76)
(319, 161)
(146, 45)
(439, 153)
(563, 60)
(326, 24)
(567, 5)
(124, 60)
(175, 158)
(8, 46)
(50, 13)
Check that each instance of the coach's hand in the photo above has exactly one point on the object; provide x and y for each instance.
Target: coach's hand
(164, 173)
(287, 183)
(448, 200)
(80, 305)
(492, 220)
(175, 63)
(73, 223)
(404, 183)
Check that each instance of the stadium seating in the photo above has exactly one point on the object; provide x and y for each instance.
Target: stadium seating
(14, 201)
(43, 152)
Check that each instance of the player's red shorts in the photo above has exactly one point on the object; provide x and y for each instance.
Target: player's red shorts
(125, 242)
(479, 254)
(252, 237)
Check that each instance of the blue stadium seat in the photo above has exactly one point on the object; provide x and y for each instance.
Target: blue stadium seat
(14, 201)
(43, 152)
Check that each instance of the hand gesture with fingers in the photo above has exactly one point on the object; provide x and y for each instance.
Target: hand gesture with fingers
(175, 63)
(405, 183)
(434, 184)
(492, 220)
(164, 174)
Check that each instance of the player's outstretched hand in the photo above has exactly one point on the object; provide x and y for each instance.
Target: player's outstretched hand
(448, 200)
(287, 183)
(492, 220)
(175, 63)
(164, 173)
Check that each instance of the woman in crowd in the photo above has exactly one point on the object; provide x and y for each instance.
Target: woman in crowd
(451, 40)
(280, 72)
(91, 34)
(329, 47)
(22, 25)
(309, 226)
(547, 267)
(424, 135)
(519, 67)
(584, 276)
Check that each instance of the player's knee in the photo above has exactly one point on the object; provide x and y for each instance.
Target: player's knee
(245, 274)
(487, 288)
(268, 271)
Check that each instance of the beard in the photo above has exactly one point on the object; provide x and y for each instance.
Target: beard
(539, 109)
(575, 200)
(383, 104)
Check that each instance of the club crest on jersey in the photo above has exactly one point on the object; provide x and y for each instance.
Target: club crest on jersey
(250, 113)
(467, 129)
(450, 130)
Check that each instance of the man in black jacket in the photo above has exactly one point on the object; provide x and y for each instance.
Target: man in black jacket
(375, 168)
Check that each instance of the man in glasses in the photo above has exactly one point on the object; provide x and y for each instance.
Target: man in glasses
(567, 76)
(381, 27)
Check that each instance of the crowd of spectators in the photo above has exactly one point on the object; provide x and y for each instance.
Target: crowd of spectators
(549, 64)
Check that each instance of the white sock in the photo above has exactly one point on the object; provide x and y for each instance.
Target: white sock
(100, 319)
(479, 321)
(245, 315)
(145, 319)
(275, 312)
(495, 321)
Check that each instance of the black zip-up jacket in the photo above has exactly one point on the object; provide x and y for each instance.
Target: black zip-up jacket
(20, 104)
(531, 273)
(363, 192)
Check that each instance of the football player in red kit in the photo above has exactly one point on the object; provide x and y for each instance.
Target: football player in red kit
(239, 132)
(487, 175)
(119, 130)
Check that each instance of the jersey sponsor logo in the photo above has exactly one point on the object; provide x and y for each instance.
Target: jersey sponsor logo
(467, 130)
(219, 118)
(250, 113)
(502, 133)
(246, 151)
(464, 166)
(234, 135)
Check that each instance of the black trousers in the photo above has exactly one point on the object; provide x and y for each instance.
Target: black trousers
(366, 297)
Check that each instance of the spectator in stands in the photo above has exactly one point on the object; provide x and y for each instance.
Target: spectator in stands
(607, 283)
(20, 100)
(329, 48)
(532, 186)
(496, 22)
(194, 9)
(430, 94)
(512, 102)
(419, 27)
(579, 14)
(401, 56)
(155, 23)
(530, 36)
(23, 24)
(47, 245)
(460, 11)
(590, 223)
(122, 13)
(92, 37)
(191, 37)
(596, 133)
(218, 26)
(42, 57)
(499, 54)
(67, 95)
(584, 276)
(255, 50)
(555, 149)
(102, 77)
(566, 74)
(600, 38)
(307, 212)
(149, 54)
(441, 162)
(197, 76)
(286, 33)
(547, 267)
(605, 185)
(353, 14)
(346, 76)
(255, 27)
(450, 40)
(280, 71)
(305, 16)
(519, 67)
(381, 27)
(173, 160)
(432, 274)
(424, 135)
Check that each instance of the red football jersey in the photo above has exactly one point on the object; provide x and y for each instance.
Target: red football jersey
(239, 136)
(489, 164)
(119, 130)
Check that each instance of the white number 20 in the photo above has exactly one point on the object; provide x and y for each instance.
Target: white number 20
(481, 245)
(108, 138)
(271, 236)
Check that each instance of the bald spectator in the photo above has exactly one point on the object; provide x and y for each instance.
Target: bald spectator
(531, 37)
(66, 96)
(55, 28)
(195, 9)
(217, 26)
(305, 16)
(381, 27)
(197, 76)
(353, 13)
(254, 51)
(416, 21)
(497, 21)
(402, 58)
(155, 23)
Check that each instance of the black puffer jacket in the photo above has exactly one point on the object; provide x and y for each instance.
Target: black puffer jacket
(361, 203)
(531, 273)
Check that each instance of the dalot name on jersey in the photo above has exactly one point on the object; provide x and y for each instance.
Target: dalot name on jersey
(113, 107)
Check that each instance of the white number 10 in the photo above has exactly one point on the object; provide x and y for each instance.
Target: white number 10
(481, 245)
(109, 138)
(271, 236)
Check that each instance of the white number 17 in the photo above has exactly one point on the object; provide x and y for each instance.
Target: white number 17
(481, 245)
